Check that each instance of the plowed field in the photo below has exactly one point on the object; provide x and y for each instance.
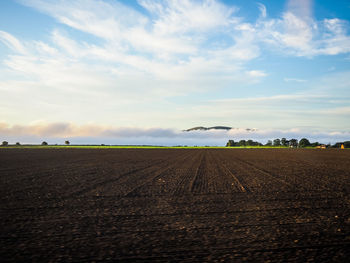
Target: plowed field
(191, 205)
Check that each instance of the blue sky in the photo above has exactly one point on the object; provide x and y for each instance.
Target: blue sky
(141, 71)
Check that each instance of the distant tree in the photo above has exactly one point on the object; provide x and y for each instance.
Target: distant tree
(18, 144)
(347, 144)
(269, 143)
(5, 143)
(314, 144)
(276, 142)
(253, 143)
(293, 142)
(284, 142)
(230, 143)
(304, 142)
(44, 143)
(250, 143)
(339, 144)
(242, 143)
(66, 142)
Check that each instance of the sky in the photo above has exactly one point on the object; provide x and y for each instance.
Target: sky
(141, 71)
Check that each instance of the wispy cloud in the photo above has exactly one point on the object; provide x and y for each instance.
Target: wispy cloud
(263, 11)
(12, 42)
(256, 73)
(294, 80)
(301, 8)
(298, 33)
(173, 35)
(175, 16)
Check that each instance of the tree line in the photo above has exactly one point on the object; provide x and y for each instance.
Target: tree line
(304, 142)
(44, 143)
(231, 143)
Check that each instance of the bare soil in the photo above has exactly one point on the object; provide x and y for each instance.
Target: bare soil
(192, 205)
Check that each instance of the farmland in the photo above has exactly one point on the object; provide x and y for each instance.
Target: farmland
(174, 204)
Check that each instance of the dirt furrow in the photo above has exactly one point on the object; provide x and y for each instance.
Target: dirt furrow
(158, 175)
(263, 171)
(167, 183)
(225, 170)
(198, 181)
(300, 170)
(186, 174)
(195, 179)
(134, 181)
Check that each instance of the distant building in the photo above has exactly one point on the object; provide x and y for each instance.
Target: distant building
(321, 146)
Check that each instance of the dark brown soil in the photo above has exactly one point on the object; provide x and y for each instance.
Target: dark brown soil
(191, 205)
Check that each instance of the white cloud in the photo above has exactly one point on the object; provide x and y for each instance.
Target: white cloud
(298, 33)
(174, 16)
(337, 111)
(68, 45)
(294, 80)
(301, 8)
(102, 19)
(256, 73)
(12, 42)
(186, 27)
(284, 98)
(65, 64)
(115, 23)
(335, 39)
(263, 12)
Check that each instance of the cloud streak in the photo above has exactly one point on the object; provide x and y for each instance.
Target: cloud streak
(12, 42)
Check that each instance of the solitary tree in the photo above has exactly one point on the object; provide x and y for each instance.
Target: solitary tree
(5, 143)
(44, 143)
(18, 144)
(66, 142)
(304, 142)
